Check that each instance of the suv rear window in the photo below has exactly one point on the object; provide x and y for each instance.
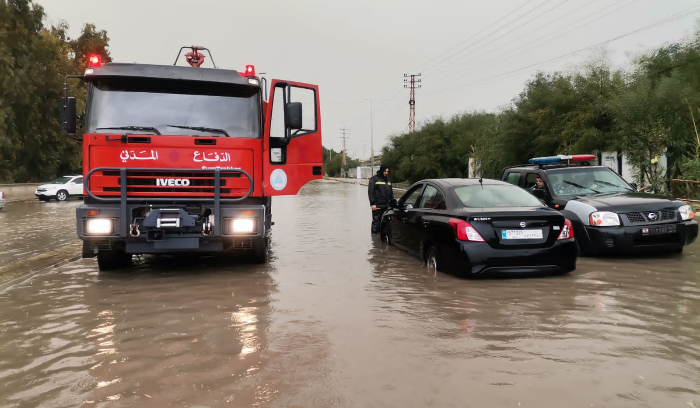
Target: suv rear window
(513, 178)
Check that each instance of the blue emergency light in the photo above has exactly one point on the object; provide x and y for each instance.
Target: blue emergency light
(562, 158)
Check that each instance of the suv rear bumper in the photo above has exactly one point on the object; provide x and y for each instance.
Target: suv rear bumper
(629, 239)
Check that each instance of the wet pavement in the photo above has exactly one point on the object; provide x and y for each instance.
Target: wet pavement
(28, 228)
(338, 319)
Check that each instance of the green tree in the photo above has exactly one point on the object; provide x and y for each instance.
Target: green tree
(34, 59)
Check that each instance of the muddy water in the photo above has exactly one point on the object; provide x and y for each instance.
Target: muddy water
(336, 319)
(29, 228)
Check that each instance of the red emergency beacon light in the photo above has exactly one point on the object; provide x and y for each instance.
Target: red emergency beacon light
(249, 71)
(562, 159)
(94, 61)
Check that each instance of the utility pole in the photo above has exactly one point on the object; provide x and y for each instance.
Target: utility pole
(344, 137)
(411, 84)
(371, 129)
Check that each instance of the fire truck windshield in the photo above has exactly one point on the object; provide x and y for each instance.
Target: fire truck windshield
(171, 107)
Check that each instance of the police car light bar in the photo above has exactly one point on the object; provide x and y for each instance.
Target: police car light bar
(562, 158)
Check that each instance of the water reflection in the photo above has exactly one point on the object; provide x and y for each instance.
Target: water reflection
(182, 334)
(338, 319)
(619, 331)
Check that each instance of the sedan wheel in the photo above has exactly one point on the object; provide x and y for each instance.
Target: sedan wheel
(384, 234)
(431, 261)
(62, 195)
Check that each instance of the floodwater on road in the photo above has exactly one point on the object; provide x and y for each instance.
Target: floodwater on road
(30, 227)
(337, 319)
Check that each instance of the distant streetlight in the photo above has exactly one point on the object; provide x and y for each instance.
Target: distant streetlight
(371, 130)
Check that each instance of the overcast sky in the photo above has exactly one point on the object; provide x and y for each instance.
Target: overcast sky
(470, 56)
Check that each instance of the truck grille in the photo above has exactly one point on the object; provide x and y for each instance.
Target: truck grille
(646, 217)
(157, 183)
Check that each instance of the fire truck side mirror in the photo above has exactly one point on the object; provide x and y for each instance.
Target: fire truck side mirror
(292, 115)
(68, 115)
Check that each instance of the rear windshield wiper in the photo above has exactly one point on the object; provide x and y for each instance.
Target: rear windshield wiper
(149, 128)
(202, 129)
(580, 186)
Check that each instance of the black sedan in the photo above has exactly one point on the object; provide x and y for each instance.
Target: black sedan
(480, 227)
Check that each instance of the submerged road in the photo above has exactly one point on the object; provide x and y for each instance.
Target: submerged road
(336, 319)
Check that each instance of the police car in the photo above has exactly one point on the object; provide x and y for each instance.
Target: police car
(607, 213)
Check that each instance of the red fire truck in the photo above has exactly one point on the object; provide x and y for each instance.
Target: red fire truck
(186, 159)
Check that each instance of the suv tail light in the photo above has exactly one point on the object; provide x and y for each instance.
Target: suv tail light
(567, 232)
(464, 231)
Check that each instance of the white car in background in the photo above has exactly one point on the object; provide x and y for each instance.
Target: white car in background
(61, 189)
(2, 200)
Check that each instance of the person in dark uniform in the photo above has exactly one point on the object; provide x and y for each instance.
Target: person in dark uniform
(380, 193)
(540, 185)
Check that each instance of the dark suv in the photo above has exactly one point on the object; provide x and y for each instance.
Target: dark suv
(607, 213)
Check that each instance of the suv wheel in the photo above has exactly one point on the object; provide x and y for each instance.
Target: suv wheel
(62, 195)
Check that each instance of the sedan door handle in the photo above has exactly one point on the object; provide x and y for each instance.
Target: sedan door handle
(405, 219)
(426, 223)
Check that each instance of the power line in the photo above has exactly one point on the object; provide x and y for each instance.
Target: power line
(514, 29)
(510, 56)
(677, 16)
(470, 38)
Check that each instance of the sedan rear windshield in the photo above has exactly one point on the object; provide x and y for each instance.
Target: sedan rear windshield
(496, 196)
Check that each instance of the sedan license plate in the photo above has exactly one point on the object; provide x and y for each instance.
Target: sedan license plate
(521, 234)
(666, 229)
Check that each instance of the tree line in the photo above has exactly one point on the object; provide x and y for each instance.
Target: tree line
(34, 59)
(644, 111)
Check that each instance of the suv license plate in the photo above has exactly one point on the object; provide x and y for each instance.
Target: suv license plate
(666, 229)
(521, 234)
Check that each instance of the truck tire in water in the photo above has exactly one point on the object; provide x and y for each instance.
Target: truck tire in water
(108, 260)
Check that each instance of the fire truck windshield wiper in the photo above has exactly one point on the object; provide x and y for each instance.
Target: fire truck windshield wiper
(152, 129)
(202, 129)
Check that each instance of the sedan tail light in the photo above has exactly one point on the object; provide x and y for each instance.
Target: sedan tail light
(567, 232)
(2, 195)
(464, 231)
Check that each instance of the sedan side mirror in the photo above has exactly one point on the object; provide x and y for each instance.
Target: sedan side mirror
(393, 203)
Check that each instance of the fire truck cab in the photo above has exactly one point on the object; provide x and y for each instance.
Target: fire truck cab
(186, 159)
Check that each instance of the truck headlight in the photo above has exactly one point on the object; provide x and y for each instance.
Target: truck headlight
(243, 225)
(686, 212)
(99, 226)
(605, 219)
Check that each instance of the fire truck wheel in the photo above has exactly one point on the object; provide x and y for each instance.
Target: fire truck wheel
(113, 259)
(261, 251)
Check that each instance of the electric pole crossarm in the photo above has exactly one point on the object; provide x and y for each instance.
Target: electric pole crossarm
(410, 82)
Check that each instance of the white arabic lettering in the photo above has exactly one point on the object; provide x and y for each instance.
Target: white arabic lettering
(211, 157)
(142, 155)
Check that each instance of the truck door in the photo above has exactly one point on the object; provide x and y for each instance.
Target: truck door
(292, 154)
